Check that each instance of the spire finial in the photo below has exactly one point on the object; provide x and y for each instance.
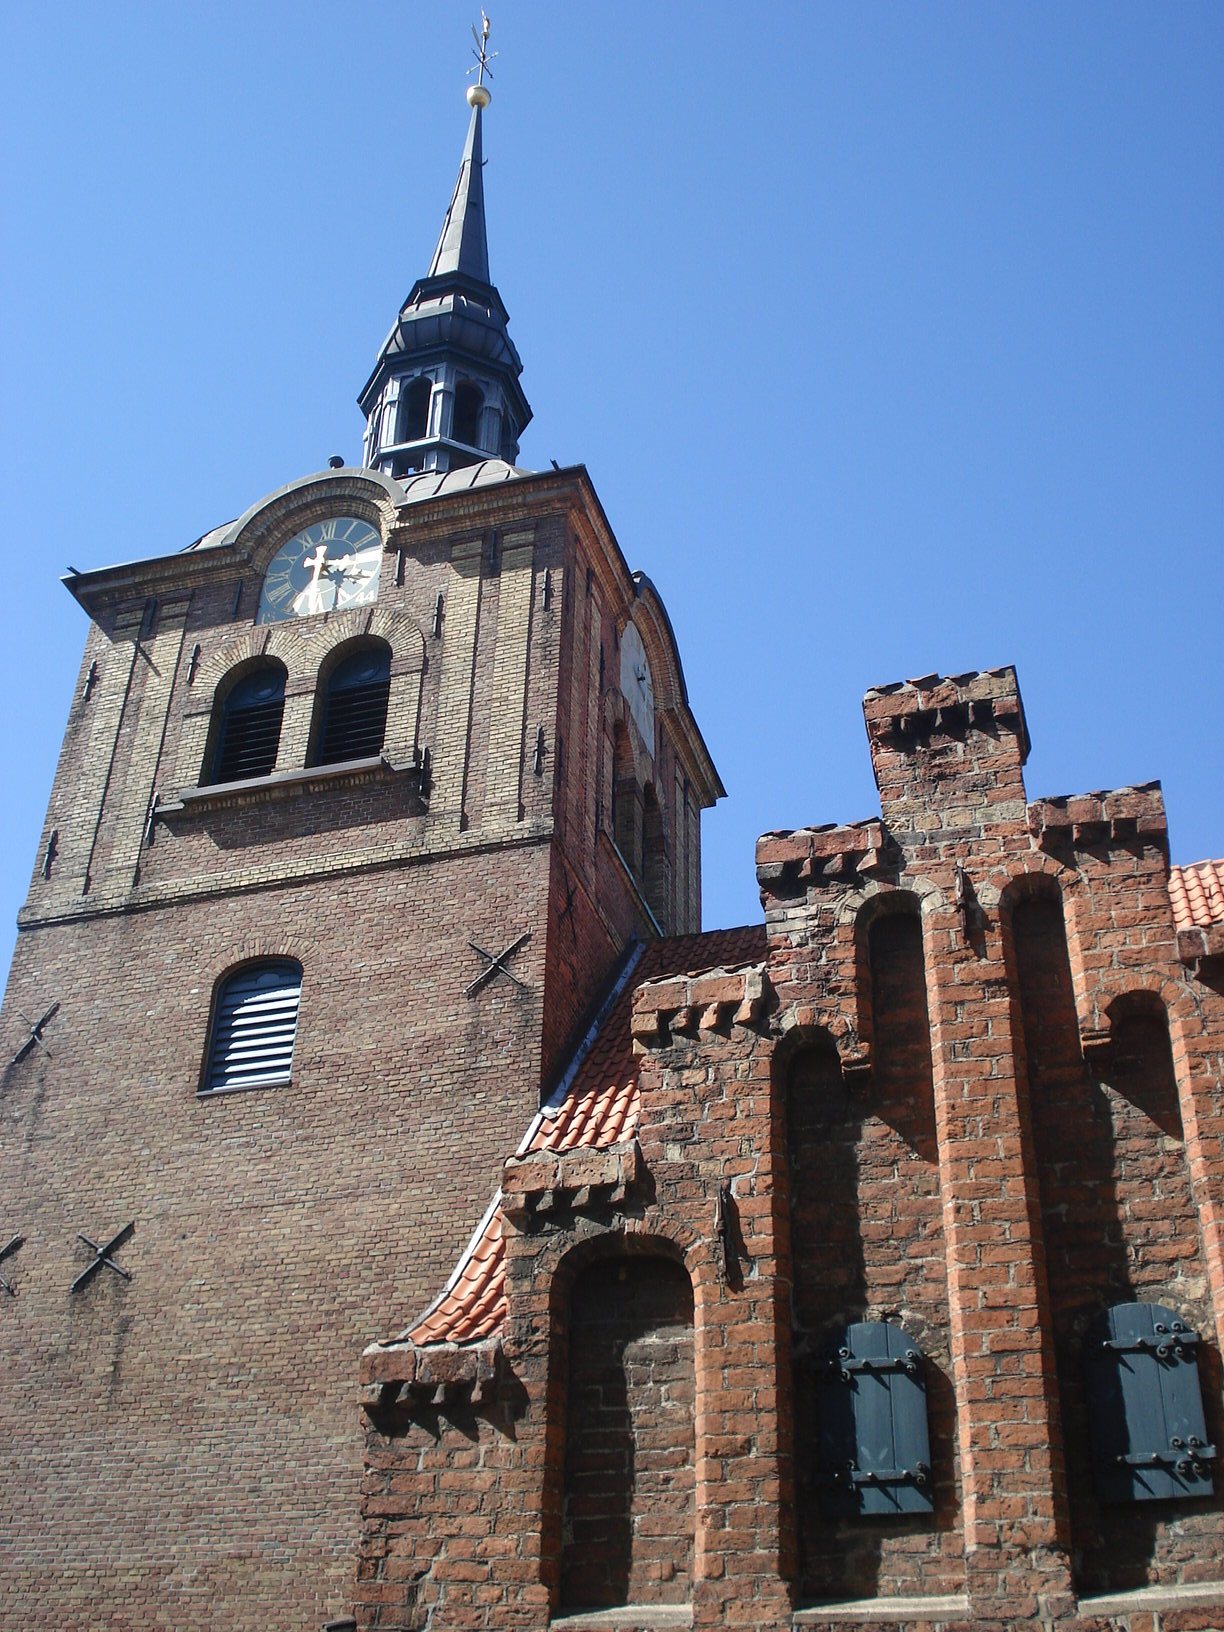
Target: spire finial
(479, 95)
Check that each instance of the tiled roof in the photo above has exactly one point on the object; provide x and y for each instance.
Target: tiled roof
(474, 1303)
(599, 1109)
(1197, 894)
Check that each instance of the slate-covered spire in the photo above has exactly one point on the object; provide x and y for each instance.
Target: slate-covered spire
(445, 391)
(463, 244)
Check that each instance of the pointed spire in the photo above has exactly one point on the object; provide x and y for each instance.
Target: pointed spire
(445, 391)
(462, 243)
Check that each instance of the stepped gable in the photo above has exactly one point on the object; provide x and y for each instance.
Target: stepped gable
(599, 1110)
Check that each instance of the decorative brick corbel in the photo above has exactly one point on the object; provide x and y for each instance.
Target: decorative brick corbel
(1114, 818)
(1202, 941)
(408, 1378)
(548, 1180)
(686, 1005)
(805, 857)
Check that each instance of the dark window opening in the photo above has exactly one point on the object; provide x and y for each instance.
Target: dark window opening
(627, 803)
(465, 426)
(629, 1495)
(248, 734)
(354, 718)
(254, 1026)
(414, 411)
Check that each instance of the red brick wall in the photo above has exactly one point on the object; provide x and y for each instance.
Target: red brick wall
(628, 1519)
(867, 1243)
(1120, 1226)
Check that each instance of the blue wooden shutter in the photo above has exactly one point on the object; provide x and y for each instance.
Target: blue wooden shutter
(1145, 1407)
(874, 1448)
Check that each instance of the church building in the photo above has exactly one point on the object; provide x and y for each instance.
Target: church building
(414, 1222)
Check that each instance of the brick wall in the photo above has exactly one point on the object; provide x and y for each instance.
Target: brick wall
(193, 1430)
(628, 1516)
(1120, 1226)
(972, 1092)
(867, 1243)
(200, 1464)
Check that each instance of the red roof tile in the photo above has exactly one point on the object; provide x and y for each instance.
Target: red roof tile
(1197, 894)
(600, 1109)
(474, 1304)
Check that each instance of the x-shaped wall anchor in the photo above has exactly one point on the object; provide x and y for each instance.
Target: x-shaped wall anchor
(566, 915)
(35, 1039)
(495, 964)
(7, 1252)
(102, 1255)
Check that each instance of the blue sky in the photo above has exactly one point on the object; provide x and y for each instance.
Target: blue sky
(890, 334)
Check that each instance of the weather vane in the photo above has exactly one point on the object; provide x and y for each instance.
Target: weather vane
(478, 94)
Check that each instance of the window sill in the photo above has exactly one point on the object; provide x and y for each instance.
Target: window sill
(1155, 1600)
(885, 1611)
(288, 785)
(242, 1088)
(624, 1618)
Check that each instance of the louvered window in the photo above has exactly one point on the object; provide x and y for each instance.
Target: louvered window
(355, 707)
(254, 1024)
(248, 734)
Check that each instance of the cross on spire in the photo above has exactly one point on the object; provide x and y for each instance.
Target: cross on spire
(482, 54)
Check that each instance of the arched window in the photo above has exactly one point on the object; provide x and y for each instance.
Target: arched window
(627, 802)
(414, 410)
(248, 730)
(253, 1026)
(629, 1495)
(465, 425)
(353, 718)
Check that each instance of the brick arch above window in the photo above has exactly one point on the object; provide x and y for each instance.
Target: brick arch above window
(1119, 992)
(304, 647)
(1021, 876)
(803, 1024)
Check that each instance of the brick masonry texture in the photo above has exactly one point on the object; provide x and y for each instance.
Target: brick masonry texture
(966, 1080)
(182, 1449)
(971, 1087)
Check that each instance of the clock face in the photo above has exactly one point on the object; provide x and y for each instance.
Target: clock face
(636, 686)
(325, 568)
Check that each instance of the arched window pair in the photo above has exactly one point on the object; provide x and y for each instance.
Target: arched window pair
(350, 723)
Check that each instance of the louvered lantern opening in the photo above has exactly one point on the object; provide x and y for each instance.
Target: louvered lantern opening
(355, 708)
(250, 727)
(415, 410)
(465, 423)
(254, 1025)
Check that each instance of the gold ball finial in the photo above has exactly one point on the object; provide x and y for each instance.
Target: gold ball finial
(479, 96)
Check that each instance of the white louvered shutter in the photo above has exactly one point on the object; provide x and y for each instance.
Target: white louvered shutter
(254, 1027)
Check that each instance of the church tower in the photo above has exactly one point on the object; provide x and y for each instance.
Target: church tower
(364, 801)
